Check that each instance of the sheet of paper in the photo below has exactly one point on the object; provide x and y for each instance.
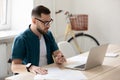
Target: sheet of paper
(54, 73)
(75, 61)
(111, 54)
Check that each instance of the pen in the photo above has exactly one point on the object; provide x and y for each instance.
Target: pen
(53, 58)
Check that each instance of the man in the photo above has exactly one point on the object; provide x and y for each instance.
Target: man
(35, 47)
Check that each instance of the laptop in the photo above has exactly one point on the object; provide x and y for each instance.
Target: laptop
(95, 58)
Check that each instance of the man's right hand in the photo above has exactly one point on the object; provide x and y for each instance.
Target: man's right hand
(18, 67)
(38, 70)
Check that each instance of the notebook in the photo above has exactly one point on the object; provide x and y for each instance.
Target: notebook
(95, 58)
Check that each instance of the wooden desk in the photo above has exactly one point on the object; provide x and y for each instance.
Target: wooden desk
(110, 69)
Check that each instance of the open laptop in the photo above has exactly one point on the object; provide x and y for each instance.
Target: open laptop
(95, 58)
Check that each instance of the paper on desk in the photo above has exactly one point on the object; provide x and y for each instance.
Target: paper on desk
(54, 73)
(110, 54)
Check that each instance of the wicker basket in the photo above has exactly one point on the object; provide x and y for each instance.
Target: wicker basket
(79, 22)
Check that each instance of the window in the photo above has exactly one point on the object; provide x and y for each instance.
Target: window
(4, 14)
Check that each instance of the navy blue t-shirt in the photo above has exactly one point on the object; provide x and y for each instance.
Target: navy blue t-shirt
(26, 47)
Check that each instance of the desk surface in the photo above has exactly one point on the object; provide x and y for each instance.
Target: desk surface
(110, 69)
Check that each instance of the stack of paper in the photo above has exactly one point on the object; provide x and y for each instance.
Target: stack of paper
(54, 73)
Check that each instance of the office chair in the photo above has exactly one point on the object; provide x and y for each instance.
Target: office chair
(67, 49)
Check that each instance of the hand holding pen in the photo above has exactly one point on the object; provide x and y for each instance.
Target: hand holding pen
(59, 57)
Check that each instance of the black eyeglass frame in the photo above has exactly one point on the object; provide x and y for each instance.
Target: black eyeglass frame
(45, 22)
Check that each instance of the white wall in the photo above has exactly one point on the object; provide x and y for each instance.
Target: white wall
(104, 18)
(65, 5)
(21, 14)
(3, 60)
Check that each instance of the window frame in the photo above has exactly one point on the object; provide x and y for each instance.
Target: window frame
(5, 25)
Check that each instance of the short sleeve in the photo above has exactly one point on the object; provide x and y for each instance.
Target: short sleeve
(18, 48)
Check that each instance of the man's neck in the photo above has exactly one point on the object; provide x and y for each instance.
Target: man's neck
(34, 30)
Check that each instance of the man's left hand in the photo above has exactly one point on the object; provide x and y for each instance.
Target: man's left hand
(59, 58)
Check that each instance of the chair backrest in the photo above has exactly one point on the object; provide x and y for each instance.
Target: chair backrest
(66, 48)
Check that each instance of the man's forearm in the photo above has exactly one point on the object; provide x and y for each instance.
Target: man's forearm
(18, 68)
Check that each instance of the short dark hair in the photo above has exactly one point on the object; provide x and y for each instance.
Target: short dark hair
(38, 10)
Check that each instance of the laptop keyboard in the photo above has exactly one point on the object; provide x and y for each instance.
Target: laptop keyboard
(80, 66)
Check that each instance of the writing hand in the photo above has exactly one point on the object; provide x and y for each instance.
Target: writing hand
(59, 58)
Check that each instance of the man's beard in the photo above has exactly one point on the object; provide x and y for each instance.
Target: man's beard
(41, 31)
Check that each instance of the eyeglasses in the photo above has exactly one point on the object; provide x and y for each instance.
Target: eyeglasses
(46, 23)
